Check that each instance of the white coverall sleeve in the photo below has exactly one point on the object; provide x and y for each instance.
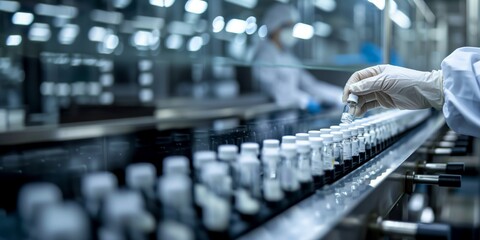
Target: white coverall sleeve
(461, 74)
(274, 83)
(321, 91)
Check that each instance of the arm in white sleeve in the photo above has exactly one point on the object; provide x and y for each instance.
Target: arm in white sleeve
(280, 88)
(322, 91)
(461, 73)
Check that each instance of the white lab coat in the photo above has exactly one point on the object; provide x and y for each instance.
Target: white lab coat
(280, 74)
(461, 82)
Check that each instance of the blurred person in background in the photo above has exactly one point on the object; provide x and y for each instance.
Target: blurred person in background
(454, 89)
(279, 71)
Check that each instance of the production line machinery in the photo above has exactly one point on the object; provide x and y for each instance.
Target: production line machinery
(364, 200)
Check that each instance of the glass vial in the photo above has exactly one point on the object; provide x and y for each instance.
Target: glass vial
(288, 178)
(349, 110)
(328, 157)
(337, 151)
(316, 145)
(347, 150)
(303, 166)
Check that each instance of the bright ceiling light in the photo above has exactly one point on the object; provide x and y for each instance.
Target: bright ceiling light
(303, 31)
(22, 18)
(262, 31)
(195, 44)
(39, 32)
(218, 24)
(14, 40)
(401, 19)
(236, 26)
(96, 34)
(322, 29)
(326, 5)
(244, 3)
(60, 11)
(174, 41)
(162, 3)
(68, 34)
(196, 6)
(9, 6)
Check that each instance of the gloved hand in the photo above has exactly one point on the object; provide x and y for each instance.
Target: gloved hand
(395, 87)
(313, 107)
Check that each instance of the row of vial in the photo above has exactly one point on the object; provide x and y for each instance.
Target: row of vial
(222, 185)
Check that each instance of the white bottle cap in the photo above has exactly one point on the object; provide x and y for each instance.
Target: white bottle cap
(301, 136)
(140, 175)
(201, 157)
(250, 148)
(303, 146)
(344, 126)
(316, 142)
(271, 143)
(346, 133)
(175, 190)
(176, 165)
(354, 131)
(337, 136)
(327, 138)
(288, 139)
(313, 133)
(96, 185)
(335, 128)
(227, 152)
(288, 150)
(352, 98)
(269, 154)
(325, 131)
(34, 196)
(60, 220)
(214, 169)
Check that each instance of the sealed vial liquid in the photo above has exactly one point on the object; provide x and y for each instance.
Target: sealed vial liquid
(338, 153)
(355, 145)
(303, 166)
(316, 145)
(288, 176)
(248, 194)
(347, 150)
(361, 144)
(368, 146)
(328, 158)
(272, 191)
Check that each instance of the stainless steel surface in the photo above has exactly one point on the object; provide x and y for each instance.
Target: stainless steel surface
(426, 179)
(343, 209)
(398, 228)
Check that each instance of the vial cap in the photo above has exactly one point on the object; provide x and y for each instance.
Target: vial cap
(288, 139)
(301, 136)
(344, 126)
(346, 133)
(271, 143)
(352, 98)
(325, 131)
(140, 175)
(201, 157)
(37, 195)
(303, 146)
(354, 131)
(335, 128)
(327, 138)
(176, 164)
(97, 185)
(227, 152)
(337, 136)
(316, 142)
(288, 149)
(250, 148)
(313, 133)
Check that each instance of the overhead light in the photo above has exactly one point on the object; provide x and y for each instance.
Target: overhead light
(9, 6)
(121, 3)
(262, 31)
(107, 17)
(303, 31)
(68, 34)
(146, 95)
(218, 24)
(14, 40)
(60, 11)
(179, 27)
(322, 29)
(162, 3)
(111, 41)
(380, 4)
(244, 3)
(401, 19)
(174, 41)
(97, 34)
(236, 26)
(195, 44)
(196, 6)
(39, 32)
(141, 38)
(326, 5)
(251, 25)
(22, 18)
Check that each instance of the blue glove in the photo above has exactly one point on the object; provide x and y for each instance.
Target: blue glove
(313, 107)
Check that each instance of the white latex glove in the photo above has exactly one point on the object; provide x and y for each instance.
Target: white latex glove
(395, 87)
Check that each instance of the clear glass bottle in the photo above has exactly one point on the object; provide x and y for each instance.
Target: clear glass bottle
(200, 158)
(229, 154)
(248, 194)
(355, 145)
(141, 177)
(350, 108)
(175, 194)
(373, 139)
(288, 177)
(316, 145)
(272, 191)
(303, 166)
(216, 207)
(347, 150)
(361, 143)
(328, 158)
(368, 143)
(337, 151)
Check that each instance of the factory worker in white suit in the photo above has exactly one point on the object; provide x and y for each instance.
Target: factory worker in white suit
(289, 86)
(455, 89)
